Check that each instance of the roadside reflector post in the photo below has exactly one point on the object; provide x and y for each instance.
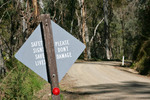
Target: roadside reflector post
(49, 53)
(123, 61)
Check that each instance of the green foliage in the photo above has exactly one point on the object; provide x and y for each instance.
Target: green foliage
(144, 15)
(20, 83)
(142, 62)
(142, 51)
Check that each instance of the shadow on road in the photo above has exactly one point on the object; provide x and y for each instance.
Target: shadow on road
(125, 90)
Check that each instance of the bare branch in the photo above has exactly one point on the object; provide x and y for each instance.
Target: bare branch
(4, 4)
(18, 3)
(2, 16)
(88, 16)
(55, 2)
(53, 17)
(96, 30)
(77, 13)
(3, 39)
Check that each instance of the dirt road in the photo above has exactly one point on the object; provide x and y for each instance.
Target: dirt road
(104, 81)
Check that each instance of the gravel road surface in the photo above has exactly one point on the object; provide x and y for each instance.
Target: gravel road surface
(104, 81)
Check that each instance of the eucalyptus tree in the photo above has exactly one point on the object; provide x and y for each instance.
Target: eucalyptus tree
(124, 28)
(106, 30)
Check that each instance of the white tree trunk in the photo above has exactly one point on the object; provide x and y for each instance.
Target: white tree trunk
(107, 50)
(24, 25)
(95, 31)
(41, 4)
(2, 67)
(87, 42)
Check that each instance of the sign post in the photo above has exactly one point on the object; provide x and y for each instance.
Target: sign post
(49, 52)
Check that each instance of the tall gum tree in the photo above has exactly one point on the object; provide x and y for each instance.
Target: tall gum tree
(106, 30)
(79, 14)
(83, 29)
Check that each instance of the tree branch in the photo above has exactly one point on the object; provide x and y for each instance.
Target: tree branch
(2, 16)
(96, 30)
(5, 42)
(4, 4)
(55, 2)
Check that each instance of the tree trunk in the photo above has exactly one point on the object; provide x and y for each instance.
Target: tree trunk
(35, 6)
(85, 35)
(71, 29)
(83, 29)
(123, 43)
(41, 4)
(23, 24)
(122, 25)
(106, 29)
(79, 23)
(2, 67)
(88, 46)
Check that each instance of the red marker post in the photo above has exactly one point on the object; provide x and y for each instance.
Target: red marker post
(56, 91)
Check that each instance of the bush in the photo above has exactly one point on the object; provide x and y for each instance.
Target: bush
(20, 83)
(142, 63)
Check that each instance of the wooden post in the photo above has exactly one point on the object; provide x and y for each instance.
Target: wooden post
(49, 52)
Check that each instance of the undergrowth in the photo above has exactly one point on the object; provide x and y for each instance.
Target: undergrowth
(20, 83)
(142, 63)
